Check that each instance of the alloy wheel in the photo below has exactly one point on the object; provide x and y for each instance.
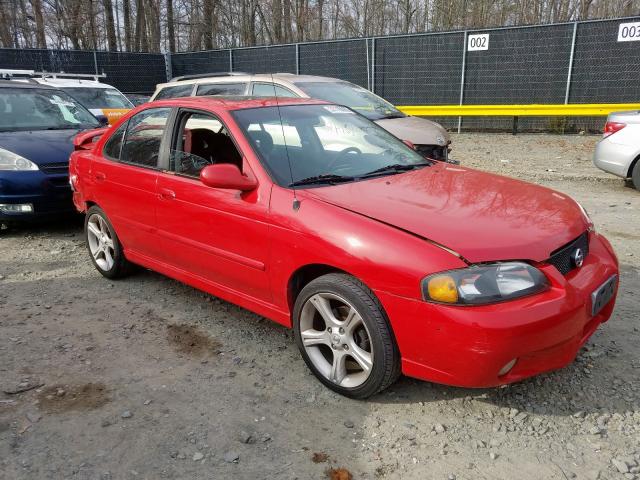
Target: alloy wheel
(100, 241)
(336, 339)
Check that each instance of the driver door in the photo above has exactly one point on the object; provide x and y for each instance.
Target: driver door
(216, 234)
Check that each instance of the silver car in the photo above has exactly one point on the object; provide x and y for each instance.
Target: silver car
(619, 150)
(429, 138)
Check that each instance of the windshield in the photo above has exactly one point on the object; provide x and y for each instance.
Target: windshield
(355, 97)
(321, 141)
(42, 109)
(99, 97)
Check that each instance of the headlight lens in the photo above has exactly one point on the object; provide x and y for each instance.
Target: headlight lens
(12, 161)
(482, 284)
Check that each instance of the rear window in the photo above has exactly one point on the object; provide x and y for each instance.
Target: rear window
(174, 92)
(222, 89)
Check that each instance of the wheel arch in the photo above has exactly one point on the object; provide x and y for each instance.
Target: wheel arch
(632, 166)
(305, 274)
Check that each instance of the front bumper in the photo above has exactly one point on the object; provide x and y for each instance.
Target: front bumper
(469, 346)
(613, 157)
(50, 194)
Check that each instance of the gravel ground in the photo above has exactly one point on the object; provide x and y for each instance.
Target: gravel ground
(146, 378)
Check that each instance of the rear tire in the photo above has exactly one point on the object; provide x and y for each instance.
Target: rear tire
(104, 246)
(344, 336)
(635, 175)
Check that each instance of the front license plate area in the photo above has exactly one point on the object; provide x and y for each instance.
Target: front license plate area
(601, 295)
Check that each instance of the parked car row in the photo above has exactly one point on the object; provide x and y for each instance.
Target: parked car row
(323, 217)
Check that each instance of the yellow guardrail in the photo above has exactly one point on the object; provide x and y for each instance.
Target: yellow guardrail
(549, 110)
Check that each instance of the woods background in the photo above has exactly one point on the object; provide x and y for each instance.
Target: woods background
(187, 25)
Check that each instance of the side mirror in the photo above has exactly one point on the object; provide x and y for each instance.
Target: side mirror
(226, 175)
(103, 120)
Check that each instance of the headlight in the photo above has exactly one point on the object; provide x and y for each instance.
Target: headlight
(11, 161)
(482, 284)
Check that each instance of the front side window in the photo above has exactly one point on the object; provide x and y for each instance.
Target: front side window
(201, 140)
(271, 90)
(99, 97)
(321, 141)
(175, 92)
(42, 109)
(143, 137)
(222, 89)
(357, 98)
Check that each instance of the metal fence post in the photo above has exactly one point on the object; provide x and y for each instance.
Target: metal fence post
(297, 59)
(231, 60)
(373, 64)
(167, 65)
(366, 42)
(95, 62)
(570, 69)
(462, 77)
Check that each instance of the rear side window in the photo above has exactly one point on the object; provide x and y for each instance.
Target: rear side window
(175, 92)
(114, 144)
(222, 89)
(271, 90)
(143, 137)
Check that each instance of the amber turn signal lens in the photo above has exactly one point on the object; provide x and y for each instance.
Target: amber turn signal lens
(442, 288)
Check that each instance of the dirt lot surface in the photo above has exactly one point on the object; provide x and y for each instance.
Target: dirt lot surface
(145, 378)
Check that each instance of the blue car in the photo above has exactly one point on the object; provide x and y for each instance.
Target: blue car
(37, 126)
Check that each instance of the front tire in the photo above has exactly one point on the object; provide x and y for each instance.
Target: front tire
(344, 336)
(104, 246)
(635, 175)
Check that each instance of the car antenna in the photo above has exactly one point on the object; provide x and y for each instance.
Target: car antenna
(296, 202)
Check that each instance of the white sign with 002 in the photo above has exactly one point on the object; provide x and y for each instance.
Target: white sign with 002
(478, 42)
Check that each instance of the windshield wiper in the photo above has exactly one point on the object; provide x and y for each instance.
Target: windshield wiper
(395, 168)
(317, 179)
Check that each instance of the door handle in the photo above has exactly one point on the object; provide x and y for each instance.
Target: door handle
(167, 194)
(100, 177)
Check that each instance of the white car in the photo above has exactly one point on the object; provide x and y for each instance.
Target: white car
(619, 150)
(97, 97)
(429, 138)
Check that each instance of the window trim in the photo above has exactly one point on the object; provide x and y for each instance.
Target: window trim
(274, 84)
(124, 124)
(162, 155)
(178, 125)
(203, 84)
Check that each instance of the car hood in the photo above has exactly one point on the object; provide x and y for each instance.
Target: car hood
(418, 131)
(481, 216)
(40, 146)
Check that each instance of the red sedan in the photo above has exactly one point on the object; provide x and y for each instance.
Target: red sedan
(381, 261)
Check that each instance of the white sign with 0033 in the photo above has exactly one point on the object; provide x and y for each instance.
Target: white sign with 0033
(478, 42)
(629, 32)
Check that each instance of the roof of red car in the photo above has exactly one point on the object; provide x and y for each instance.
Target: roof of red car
(236, 103)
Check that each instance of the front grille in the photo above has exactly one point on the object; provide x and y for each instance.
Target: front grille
(434, 152)
(562, 258)
(55, 168)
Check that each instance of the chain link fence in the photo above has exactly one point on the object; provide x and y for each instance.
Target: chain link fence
(129, 72)
(578, 62)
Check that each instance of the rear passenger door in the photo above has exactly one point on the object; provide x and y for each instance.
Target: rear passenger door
(125, 176)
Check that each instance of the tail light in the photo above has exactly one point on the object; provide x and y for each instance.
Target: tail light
(612, 127)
